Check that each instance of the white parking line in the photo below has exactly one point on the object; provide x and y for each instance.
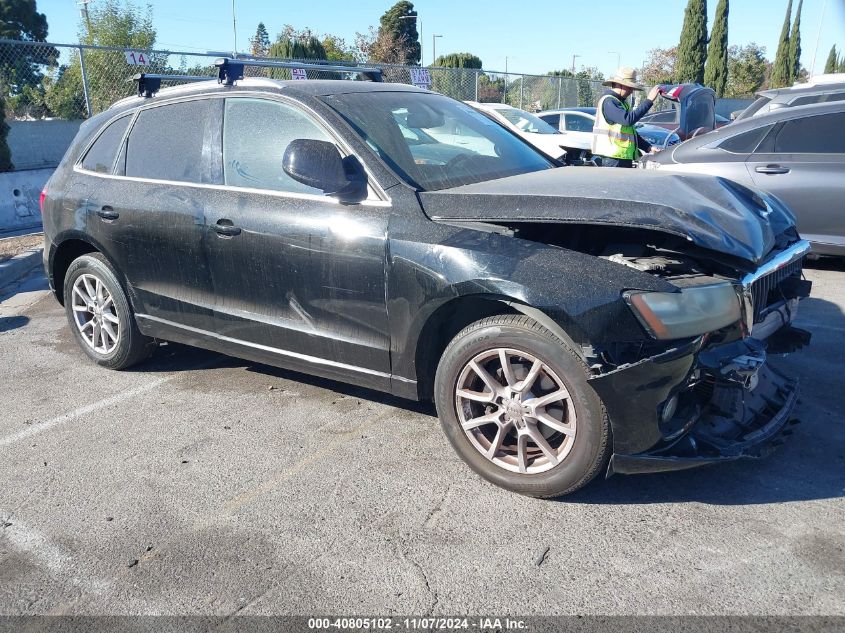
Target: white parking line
(40, 427)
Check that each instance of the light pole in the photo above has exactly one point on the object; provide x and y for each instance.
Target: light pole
(434, 48)
(419, 31)
(573, 64)
(618, 57)
(818, 36)
(234, 32)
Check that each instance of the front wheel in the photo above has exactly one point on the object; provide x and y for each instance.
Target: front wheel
(514, 402)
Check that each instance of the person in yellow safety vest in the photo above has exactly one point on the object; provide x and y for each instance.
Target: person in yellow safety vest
(615, 138)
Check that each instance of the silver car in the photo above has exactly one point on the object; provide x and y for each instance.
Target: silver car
(797, 154)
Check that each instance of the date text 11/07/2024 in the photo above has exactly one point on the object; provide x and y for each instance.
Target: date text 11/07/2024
(418, 624)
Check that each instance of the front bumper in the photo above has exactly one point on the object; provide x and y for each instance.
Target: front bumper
(730, 404)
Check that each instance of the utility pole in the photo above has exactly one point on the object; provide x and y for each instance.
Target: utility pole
(83, 13)
(818, 36)
(234, 32)
(434, 48)
(573, 64)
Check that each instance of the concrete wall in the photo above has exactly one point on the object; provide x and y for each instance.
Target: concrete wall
(19, 194)
(39, 144)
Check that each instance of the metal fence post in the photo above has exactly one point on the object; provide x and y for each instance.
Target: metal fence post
(559, 90)
(477, 73)
(85, 81)
(521, 90)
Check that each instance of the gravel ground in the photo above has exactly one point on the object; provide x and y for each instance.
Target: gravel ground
(200, 484)
(11, 246)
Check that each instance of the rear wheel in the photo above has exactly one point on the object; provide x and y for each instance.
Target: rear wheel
(514, 402)
(100, 316)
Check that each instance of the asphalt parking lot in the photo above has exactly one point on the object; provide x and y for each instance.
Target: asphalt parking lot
(200, 484)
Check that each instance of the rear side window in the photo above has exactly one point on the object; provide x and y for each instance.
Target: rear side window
(100, 157)
(552, 119)
(256, 133)
(746, 142)
(820, 134)
(823, 98)
(577, 123)
(176, 142)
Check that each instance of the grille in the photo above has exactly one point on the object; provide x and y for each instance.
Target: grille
(761, 288)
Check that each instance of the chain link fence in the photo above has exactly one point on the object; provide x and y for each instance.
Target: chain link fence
(42, 82)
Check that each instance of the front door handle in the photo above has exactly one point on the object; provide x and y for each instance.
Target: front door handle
(772, 169)
(225, 228)
(108, 214)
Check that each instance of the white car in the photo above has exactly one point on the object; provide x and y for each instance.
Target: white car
(575, 124)
(534, 130)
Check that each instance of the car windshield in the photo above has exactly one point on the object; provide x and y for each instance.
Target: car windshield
(753, 108)
(525, 122)
(434, 142)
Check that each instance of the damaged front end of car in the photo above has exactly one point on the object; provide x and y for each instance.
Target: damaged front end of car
(710, 397)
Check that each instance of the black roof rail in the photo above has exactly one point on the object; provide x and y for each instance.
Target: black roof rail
(230, 70)
(149, 84)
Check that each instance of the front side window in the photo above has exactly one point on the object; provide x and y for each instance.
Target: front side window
(552, 119)
(100, 157)
(177, 142)
(821, 134)
(256, 133)
(463, 147)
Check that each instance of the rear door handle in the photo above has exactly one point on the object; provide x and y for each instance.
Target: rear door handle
(772, 169)
(108, 214)
(225, 228)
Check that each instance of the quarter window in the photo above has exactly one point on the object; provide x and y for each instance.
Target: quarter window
(256, 133)
(746, 142)
(178, 142)
(100, 157)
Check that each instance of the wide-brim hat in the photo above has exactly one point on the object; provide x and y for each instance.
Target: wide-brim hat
(624, 77)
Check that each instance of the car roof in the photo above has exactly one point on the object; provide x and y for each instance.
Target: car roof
(491, 106)
(311, 87)
(590, 111)
(803, 89)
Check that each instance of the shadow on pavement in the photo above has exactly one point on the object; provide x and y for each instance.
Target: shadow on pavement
(826, 263)
(12, 323)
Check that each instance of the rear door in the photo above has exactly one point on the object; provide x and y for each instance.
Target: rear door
(296, 273)
(802, 161)
(150, 213)
(579, 128)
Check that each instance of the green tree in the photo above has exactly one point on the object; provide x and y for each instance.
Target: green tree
(259, 44)
(795, 45)
(458, 60)
(459, 82)
(782, 68)
(716, 69)
(22, 68)
(692, 49)
(831, 64)
(337, 50)
(747, 68)
(397, 41)
(490, 90)
(659, 68)
(841, 67)
(304, 45)
(110, 23)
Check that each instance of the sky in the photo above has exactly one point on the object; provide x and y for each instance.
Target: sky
(530, 37)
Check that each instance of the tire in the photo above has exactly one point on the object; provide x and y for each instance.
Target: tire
(106, 331)
(571, 421)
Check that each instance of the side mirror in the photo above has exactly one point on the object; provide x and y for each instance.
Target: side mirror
(318, 164)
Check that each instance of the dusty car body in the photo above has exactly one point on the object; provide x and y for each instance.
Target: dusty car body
(379, 280)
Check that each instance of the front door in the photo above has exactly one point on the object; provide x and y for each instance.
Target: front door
(295, 273)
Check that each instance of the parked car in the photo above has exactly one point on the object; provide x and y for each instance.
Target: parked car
(566, 322)
(819, 89)
(796, 153)
(534, 130)
(578, 123)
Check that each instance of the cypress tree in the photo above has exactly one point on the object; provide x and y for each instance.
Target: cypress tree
(782, 68)
(692, 49)
(841, 67)
(830, 65)
(716, 70)
(795, 44)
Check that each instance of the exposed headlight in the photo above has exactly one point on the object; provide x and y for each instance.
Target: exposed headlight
(693, 311)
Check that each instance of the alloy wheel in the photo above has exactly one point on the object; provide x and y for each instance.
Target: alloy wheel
(95, 314)
(515, 410)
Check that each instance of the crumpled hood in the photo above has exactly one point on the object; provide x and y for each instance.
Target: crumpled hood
(713, 213)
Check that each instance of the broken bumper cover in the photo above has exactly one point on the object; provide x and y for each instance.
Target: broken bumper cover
(696, 406)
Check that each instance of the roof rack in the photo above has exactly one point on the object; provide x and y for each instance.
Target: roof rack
(230, 70)
(149, 84)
